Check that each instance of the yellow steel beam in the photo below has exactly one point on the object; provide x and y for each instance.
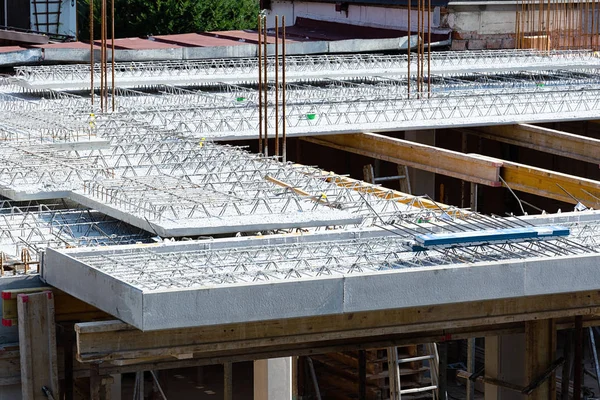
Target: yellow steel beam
(468, 167)
(542, 139)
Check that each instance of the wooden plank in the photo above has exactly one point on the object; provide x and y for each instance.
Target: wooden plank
(538, 138)
(116, 340)
(468, 167)
(37, 341)
(67, 307)
(546, 183)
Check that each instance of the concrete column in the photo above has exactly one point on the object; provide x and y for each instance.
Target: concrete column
(115, 388)
(540, 350)
(421, 182)
(505, 360)
(273, 379)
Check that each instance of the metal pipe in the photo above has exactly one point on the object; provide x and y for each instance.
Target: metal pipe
(260, 111)
(276, 85)
(284, 100)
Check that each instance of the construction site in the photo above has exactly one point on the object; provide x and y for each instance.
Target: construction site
(355, 200)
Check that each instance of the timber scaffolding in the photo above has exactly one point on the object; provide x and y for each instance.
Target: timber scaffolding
(154, 169)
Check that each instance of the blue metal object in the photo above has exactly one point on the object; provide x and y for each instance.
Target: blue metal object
(472, 238)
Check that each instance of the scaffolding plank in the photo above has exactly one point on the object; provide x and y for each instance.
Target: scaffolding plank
(37, 341)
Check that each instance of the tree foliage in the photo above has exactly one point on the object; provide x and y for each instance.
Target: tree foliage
(164, 17)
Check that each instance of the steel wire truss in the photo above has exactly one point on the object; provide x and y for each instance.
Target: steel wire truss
(374, 114)
(179, 179)
(36, 227)
(246, 68)
(144, 268)
(237, 187)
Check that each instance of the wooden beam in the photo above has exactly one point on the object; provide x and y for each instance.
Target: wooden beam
(37, 342)
(542, 139)
(546, 183)
(468, 167)
(113, 340)
(67, 307)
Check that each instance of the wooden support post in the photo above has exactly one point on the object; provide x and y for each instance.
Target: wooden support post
(567, 366)
(362, 375)
(68, 340)
(443, 366)
(540, 353)
(471, 368)
(368, 174)
(37, 342)
(95, 382)
(578, 359)
(227, 381)
(394, 373)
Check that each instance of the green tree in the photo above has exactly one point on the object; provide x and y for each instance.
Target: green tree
(164, 17)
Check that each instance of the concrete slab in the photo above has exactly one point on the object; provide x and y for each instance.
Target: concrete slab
(200, 292)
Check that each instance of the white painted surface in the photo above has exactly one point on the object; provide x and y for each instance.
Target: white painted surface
(273, 379)
(362, 15)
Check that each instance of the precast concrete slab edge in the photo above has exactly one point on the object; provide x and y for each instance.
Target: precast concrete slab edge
(427, 286)
(25, 56)
(17, 195)
(94, 287)
(251, 223)
(472, 282)
(242, 303)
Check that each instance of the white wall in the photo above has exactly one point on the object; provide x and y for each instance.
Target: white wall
(378, 17)
(68, 17)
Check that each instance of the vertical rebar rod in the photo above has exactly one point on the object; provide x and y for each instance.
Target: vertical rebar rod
(92, 51)
(592, 24)
(408, 47)
(101, 55)
(283, 88)
(418, 45)
(112, 35)
(105, 55)
(276, 85)
(429, 47)
(266, 88)
(260, 95)
(422, 45)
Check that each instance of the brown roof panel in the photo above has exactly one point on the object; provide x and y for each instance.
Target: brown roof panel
(196, 40)
(247, 36)
(8, 49)
(66, 45)
(139, 44)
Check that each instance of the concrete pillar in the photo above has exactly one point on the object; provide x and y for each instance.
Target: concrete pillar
(115, 387)
(540, 352)
(273, 379)
(421, 182)
(505, 360)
